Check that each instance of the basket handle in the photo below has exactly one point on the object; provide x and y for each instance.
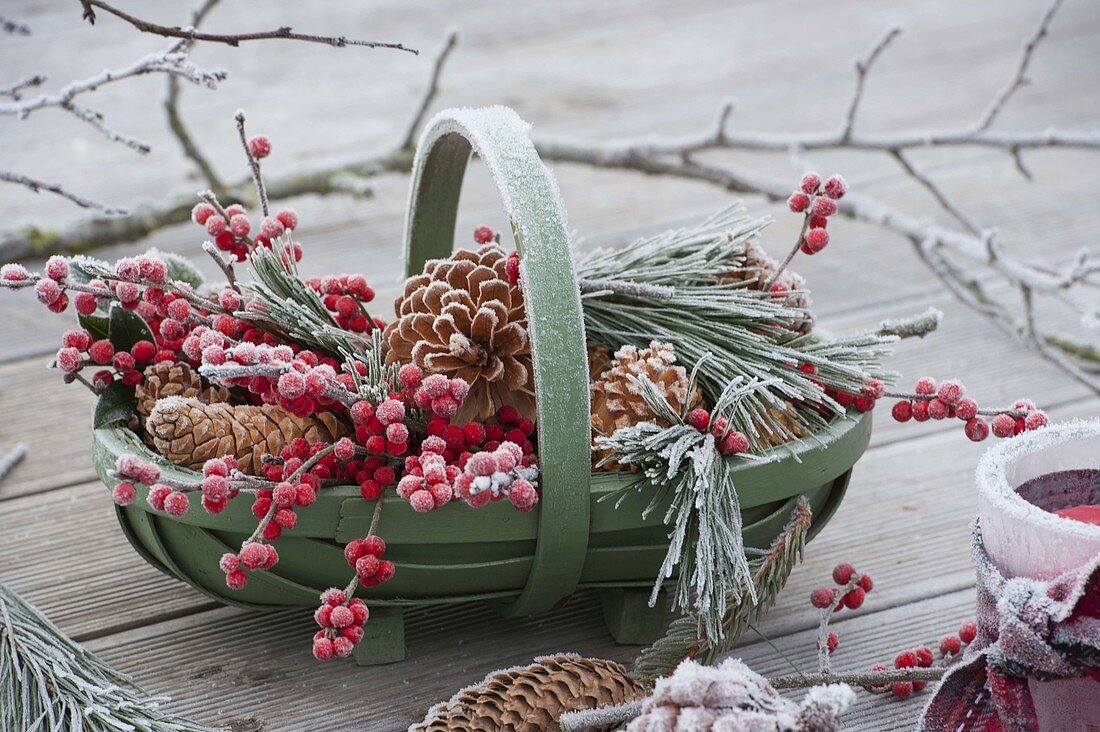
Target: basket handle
(554, 320)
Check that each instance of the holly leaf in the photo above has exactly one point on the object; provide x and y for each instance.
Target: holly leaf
(115, 405)
(81, 266)
(180, 268)
(127, 328)
(98, 325)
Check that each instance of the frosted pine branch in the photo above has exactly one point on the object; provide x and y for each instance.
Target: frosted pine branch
(914, 326)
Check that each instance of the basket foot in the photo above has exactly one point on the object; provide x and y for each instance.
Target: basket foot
(628, 616)
(383, 637)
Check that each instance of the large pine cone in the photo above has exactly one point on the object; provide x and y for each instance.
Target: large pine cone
(532, 698)
(617, 401)
(189, 433)
(462, 318)
(174, 378)
(759, 268)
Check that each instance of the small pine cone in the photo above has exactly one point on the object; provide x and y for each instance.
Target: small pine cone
(617, 401)
(532, 698)
(174, 378)
(189, 433)
(758, 269)
(463, 318)
(789, 426)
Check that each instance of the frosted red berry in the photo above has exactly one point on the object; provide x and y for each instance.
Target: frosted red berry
(483, 235)
(699, 418)
(824, 207)
(69, 360)
(968, 631)
(901, 689)
(950, 645)
(937, 409)
(236, 580)
(1004, 425)
(57, 268)
(853, 599)
(926, 386)
(966, 409)
(866, 583)
(924, 657)
(810, 182)
(816, 240)
(902, 411)
(950, 392)
(124, 493)
(976, 429)
(1035, 419)
(836, 187)
(798, 202)
(843, 573)
(831, 641)
(905, 659)
(176, 503)
(823, 597)
(259, 146)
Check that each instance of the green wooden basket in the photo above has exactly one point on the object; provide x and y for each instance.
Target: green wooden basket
(521, 563)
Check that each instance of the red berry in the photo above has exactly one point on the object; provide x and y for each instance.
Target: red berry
(842, 573)
(824, 207)
(14, 273)
(901, 689)
(905, 659)
(966, 409)
(323, 649)
(511, 268)
(920, 410)
(483, 235)
(977, 429)
(48, 291)
(864, 403)
(236, 580)
(375, 545)
(823, 597)
(201, 212)
(926, 386)
(836, 187)
(86, 303)
(798, 202)
(815, 241)
(950, 645)
(253, 555)
(854, 598)
(951, 391)
(968, 631)
(938, 409)
(1004, 425)
(124, 493)
(699, 418)
(1035, 419)
(866, 583)
(810, 182)
(924, 657)
(831, 641)
(288, 217)
(176, 503)
(259, 146)
(902, 411)
(69, 360)
(101, 351)
(734, 443)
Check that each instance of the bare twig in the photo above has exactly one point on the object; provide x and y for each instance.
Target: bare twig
(38, 186)
(11, 458)
(937, 193)
(172, 62)
(430, 92)
(863, 65)
(869, 680)
(231, 39)
(914, 326)
(13, 28)
(1019, 76)
(15, 91)
(253, 163)
(175, 121)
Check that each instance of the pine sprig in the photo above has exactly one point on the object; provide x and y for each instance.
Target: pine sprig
(769, 575)
(705, 542)
(291, 305)
(50, 683)
(749, 333)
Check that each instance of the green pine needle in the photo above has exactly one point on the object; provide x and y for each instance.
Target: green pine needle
(770, 572)
(49, 683)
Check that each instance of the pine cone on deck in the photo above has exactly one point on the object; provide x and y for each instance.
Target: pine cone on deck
(174, 378)
(532, 698)
(462, 318)
(189, 433)
(758, 269)
(617, 401)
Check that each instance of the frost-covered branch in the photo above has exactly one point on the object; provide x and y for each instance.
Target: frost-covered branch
(231, 39)
(173, 61)
(38, 186)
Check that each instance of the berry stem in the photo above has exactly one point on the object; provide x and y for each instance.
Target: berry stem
(253, 163)
(864, 680)
(791, 254)
(823, 623)
(293, 478)
(911, 397)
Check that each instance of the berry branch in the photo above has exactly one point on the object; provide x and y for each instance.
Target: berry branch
(231, 39)
(254, 148)
(38, 186)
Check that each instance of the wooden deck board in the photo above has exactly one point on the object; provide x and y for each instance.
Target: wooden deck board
(623, 67)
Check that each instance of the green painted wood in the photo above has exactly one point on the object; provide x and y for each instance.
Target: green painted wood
(627, 614)
(555, 323)
(383, 638)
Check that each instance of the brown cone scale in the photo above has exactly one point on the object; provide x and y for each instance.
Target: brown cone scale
(174, 378)
(532, 698)
(189, 432)
(462, 318)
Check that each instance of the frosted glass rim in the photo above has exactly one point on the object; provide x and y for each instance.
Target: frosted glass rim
(1014, 461)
